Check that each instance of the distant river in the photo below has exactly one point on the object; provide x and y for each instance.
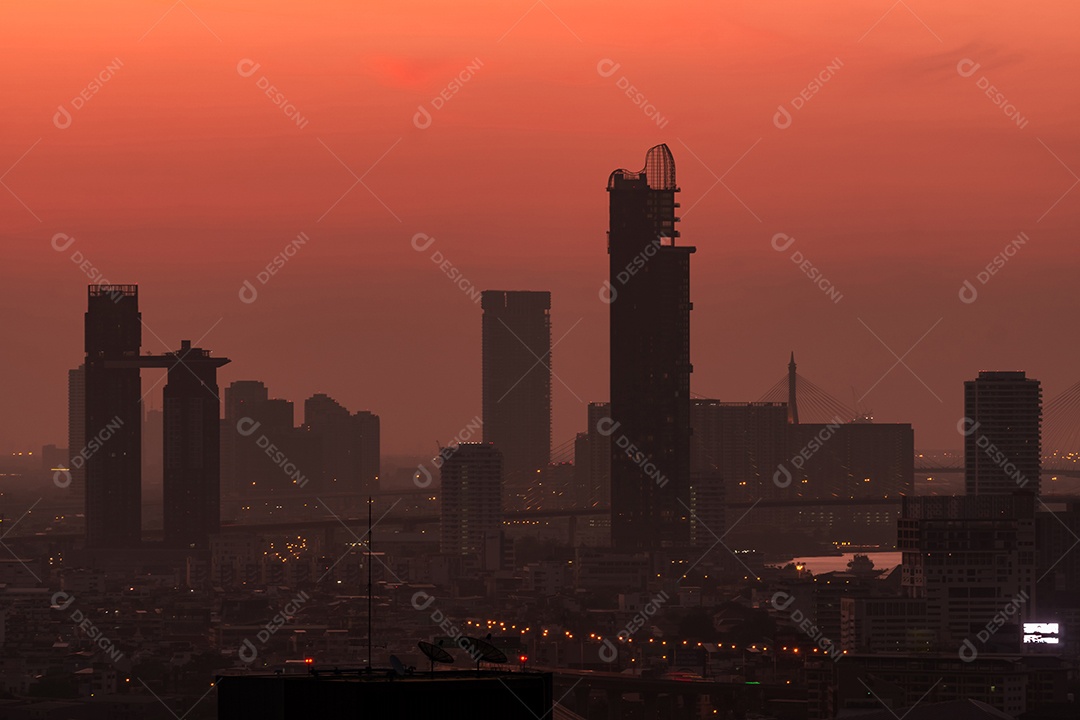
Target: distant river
(819, 564)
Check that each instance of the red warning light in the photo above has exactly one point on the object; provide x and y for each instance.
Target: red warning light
(309, 661)
(523, 659)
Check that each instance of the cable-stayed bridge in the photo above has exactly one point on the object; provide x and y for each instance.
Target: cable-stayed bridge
(809, 403)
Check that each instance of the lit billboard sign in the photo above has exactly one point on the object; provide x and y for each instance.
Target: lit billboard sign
(1042, 634)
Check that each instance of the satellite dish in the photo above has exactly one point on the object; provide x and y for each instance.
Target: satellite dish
(435, 654)
(399, 669)
(485, 652)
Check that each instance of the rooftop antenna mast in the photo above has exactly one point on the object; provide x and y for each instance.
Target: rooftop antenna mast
(369, 584)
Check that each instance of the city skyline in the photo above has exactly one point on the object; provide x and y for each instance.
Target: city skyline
(593, 360)
(928, 124)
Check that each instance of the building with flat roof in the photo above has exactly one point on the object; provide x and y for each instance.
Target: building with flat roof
(516, 386)
(1002, 429)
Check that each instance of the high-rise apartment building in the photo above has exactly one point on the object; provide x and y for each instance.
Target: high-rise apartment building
(192, 455)
(470, 497)
(1002, 429)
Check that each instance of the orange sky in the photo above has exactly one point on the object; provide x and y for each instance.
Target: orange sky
(899, 180)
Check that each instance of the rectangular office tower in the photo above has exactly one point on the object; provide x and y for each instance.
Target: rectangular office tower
(192, 449)
(1002, 434)
(517, 385)
(113, 426)
(649, 295)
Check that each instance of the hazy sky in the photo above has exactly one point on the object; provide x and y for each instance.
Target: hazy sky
(899, 178)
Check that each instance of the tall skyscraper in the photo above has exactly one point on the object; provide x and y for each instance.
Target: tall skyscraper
(76, 431)
(1002, 427)
(192, 460)
(650, 358)
(517, 385)
(471, 498)
(113, 426)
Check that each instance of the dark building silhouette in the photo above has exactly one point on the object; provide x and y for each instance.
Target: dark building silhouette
(740, 445)
(253, 422)
(240, 396)
(708, 509)
(749, 443)
(517, 385)
(592, 458)
(650, 358)
(346, 443)
(367, 444)
(1002, 428)
(76, 431)
(471, 498)
(113, 427)
(853, 459)
(113, 430)
(192, 470)
(330, 425)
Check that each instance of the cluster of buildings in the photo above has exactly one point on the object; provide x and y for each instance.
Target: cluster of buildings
(237, 467)
(642, 586)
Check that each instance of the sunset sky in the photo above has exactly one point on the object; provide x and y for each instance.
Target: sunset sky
(899, 179)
